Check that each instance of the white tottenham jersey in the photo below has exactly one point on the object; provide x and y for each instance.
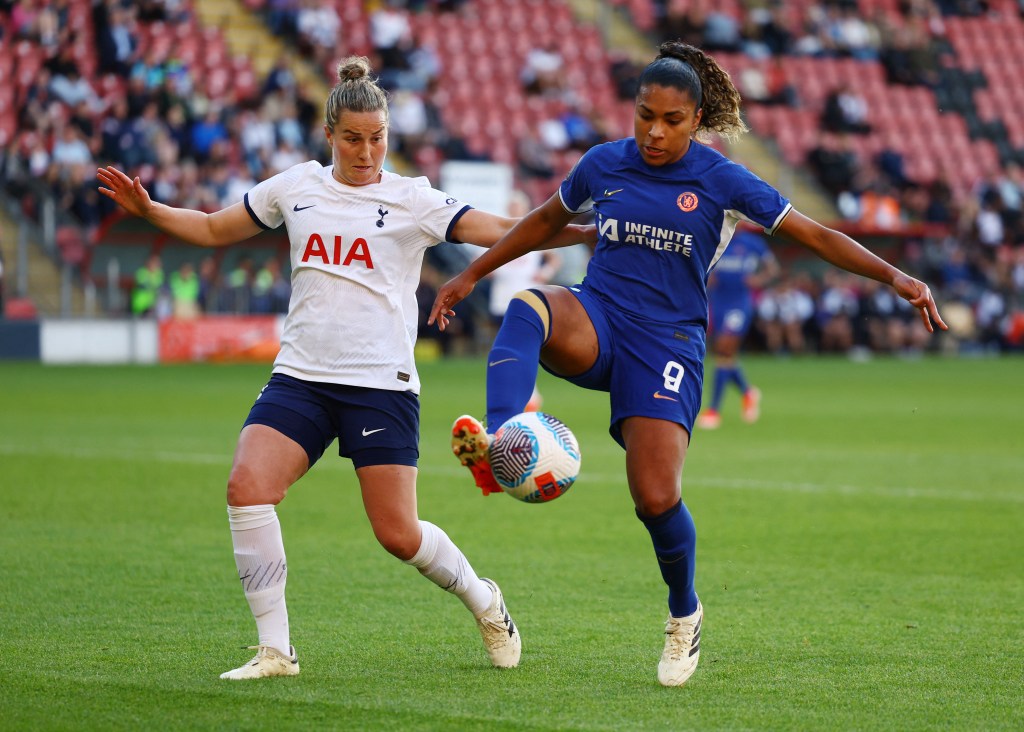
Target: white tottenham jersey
(356, 253)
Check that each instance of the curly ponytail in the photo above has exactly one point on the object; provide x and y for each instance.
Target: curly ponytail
(689, 69)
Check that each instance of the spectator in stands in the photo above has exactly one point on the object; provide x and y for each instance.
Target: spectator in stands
(69, 149)
(270, 291)
(624, 73)
(389, 26)
(237, 294)
(879, 208)
(1009, 184)
(207, 277)
(185, 291)
(116, 37)
(149, 281)
(319, 29)
(769, 84)
(76, 195)
(836, 309)
(207, 132)
(535, 158)
(834, 163)
(890, 160)
(784, 313)
(280, 77)
(542, 74)
(909, 55)
(284, 156)
(71, 88)
(581, 127)
(409, 121)
(845, 111)
(721, 32)
(333, 372)
(890, 328)
(282, 17)
(850, 34)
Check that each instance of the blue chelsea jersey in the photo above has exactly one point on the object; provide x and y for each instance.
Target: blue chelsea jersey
(746, 253)
(662, 228)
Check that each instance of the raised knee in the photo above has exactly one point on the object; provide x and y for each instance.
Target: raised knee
(537, 302)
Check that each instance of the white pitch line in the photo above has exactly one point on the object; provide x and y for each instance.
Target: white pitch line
(330, 461)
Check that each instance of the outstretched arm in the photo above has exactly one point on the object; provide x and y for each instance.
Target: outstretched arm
(486, 230)
(842, 251)
(195, 227)
(544, 227)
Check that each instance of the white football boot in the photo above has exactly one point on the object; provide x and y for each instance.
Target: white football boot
(500, 634)
(267, 662)
(682, 648)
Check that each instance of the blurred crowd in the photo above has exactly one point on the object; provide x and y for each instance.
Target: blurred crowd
(110, 92)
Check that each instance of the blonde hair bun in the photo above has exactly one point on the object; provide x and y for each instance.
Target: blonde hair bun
(353, 68)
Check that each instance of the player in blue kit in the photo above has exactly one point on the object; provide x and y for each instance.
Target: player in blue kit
(746, 264)
(666, 207)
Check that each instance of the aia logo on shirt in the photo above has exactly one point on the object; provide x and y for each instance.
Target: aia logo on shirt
(687, 201)
(340, 254)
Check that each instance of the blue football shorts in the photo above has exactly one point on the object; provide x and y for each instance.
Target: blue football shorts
(373, 426)
(648, 369)
(731, 316)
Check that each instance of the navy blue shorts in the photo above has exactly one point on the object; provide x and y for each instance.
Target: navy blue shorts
(373, 426)
(731, 316)
(649, 370)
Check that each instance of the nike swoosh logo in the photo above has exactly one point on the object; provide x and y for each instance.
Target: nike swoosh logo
(504, 360)
(659, 395)
(612, 193)
(297, 207)
(367, 433)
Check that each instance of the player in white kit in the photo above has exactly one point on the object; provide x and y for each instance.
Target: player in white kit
(345, 369)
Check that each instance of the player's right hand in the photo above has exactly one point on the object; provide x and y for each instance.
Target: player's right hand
(129, 194)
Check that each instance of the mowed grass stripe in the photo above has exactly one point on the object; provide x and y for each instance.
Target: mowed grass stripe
(858, 562)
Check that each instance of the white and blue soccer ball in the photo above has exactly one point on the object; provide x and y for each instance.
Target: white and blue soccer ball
(535, 457)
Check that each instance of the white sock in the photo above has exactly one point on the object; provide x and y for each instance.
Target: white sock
(441, 562)
(263, 570)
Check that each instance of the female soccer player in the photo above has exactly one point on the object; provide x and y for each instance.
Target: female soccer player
(665, 207)
(345, 369)
(746, 264)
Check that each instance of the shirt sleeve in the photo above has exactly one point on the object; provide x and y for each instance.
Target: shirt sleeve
(755, 201)
(575, 191)
(437, 212)
(263, 200)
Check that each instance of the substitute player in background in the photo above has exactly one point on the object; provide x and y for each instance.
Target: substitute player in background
(345, 369)
(666, 207)
(747, 265)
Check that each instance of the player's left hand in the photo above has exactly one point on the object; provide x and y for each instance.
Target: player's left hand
(451, 294)
(919, 295)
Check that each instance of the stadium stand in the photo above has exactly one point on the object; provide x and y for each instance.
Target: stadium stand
(934, 165)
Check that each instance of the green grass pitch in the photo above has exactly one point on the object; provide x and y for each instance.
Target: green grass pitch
(860, 560)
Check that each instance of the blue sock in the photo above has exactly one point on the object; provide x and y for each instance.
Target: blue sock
(512, 363)
(675, 545)
(740, 379)
(723, 376)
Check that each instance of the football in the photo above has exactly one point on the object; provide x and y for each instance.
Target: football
(535, 457)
